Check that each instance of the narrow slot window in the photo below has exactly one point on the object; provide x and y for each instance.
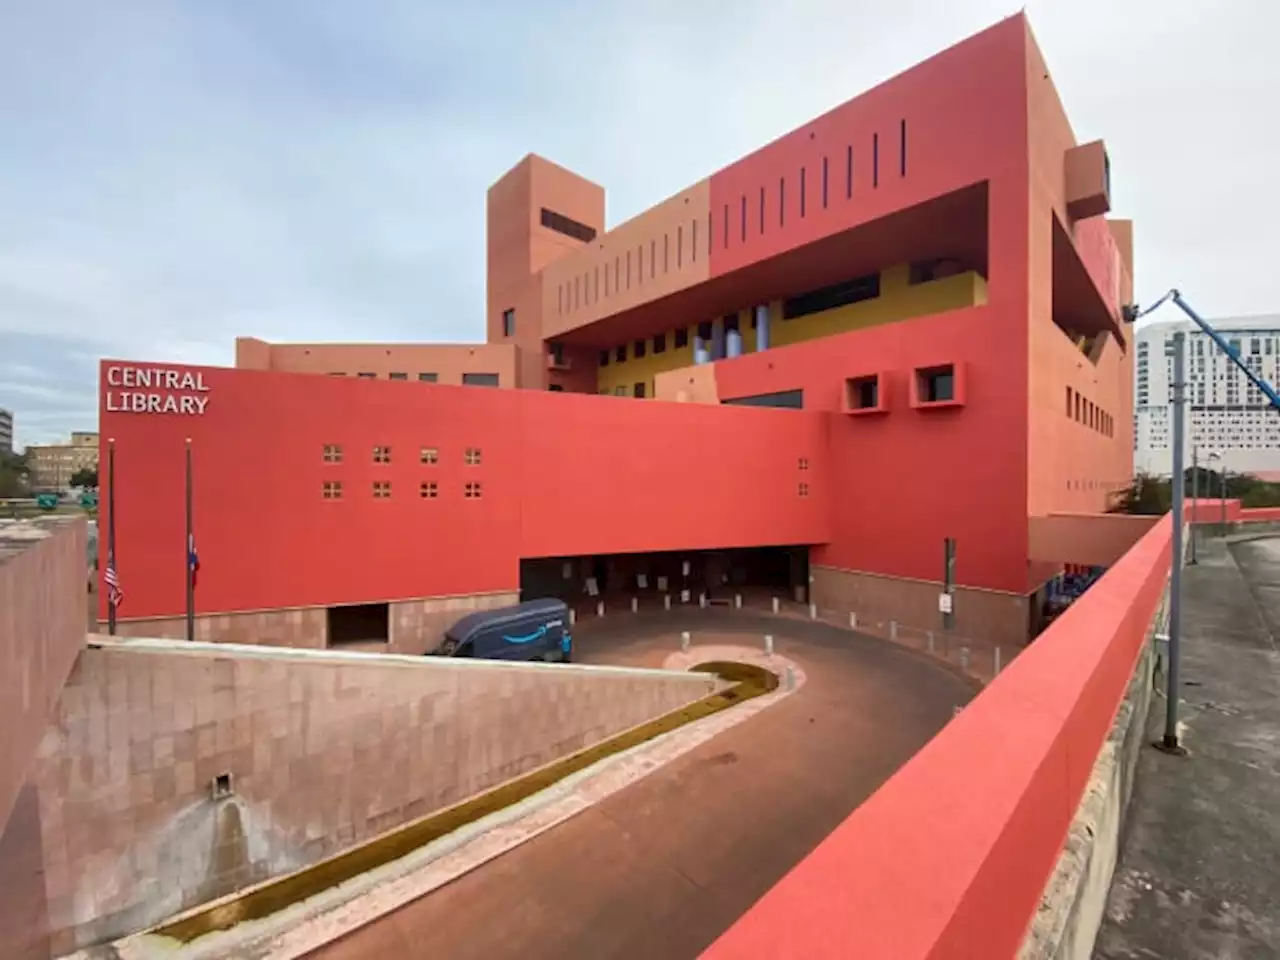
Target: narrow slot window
(824, 183)
(628, 269)
(802, 185)
(902, 148)
(666, 254)
(782, 201)
(726, 227)
(597, 282)
(848, 172)
(875, 160)
(693, 243)
(711, 231)
(679, 247)
(762, 209)
(743, 206)
(653, 259)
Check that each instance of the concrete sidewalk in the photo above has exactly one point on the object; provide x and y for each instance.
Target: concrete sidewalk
(1199, 870)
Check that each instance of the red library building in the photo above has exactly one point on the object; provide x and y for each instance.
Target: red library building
(896, 326)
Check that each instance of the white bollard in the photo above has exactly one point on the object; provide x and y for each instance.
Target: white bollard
(997, 659)
(813, 611)
(702, 600)
(573, 617)
(600, 609)
(790, 677)
(768, 645)
(666, 601)
(775, 604)
(893, 629)
(853, 621)
(964, 658)
(684, 641)
(928, 639)
(635, 604)
(737, 601)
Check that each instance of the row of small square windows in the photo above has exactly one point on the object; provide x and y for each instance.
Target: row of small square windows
(429, 455)
(427, 490)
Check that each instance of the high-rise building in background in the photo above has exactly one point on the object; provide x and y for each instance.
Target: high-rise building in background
(6, 430)
(1227, 416)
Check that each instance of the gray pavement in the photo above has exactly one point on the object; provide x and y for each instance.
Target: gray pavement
(1199, 870)
(661, 868)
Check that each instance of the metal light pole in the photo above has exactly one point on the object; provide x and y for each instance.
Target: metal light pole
(1195, 497)
(1178, 402)
(1217, 457)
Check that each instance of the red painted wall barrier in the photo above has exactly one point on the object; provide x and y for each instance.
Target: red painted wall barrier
(1257, 514)
(949, 859)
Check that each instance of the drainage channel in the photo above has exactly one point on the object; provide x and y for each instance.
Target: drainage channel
(748, 682)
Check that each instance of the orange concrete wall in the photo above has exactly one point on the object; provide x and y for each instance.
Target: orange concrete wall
(559, 474)
(971, 828)
(448, 361)
(324, 752)
(43, 616)
(1090, 539)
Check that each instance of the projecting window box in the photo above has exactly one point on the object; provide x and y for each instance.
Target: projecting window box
(938, 386)
(866, 394)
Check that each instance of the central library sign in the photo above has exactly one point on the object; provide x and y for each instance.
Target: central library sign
(155, 390)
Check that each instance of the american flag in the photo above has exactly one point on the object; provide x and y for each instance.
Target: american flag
(193, 559)
(112, 580)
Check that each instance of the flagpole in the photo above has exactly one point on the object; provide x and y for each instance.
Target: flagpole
(186, 558)
(111, 533)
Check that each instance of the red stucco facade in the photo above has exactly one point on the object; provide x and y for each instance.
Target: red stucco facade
(967, 159)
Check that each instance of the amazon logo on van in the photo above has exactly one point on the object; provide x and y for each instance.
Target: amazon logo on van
(536, 635)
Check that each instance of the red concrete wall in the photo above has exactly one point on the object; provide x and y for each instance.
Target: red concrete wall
(908, 478)
(948, 860)
(559, 473)
(965, 114)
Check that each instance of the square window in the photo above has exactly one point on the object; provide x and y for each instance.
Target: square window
(429, 455)
(381, 454)
(472, 456)
(866, 394)
(428, 490)
(471, 491)
(942, 386)
(638, 391)
(939, 386)
(382, 489)
(331, 490)
(332, 453)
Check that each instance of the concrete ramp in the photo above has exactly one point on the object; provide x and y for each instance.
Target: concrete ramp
(173, 773)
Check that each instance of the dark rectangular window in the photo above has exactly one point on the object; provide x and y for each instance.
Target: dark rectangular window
(937, 385)
(638, 349)
(480, 379)
(638, 391)
(743, 211)
(824, 183)
(429, 377)
(875, 160)
(620, 354)
(681, 337)
(782, 201)
(693, 243)
(660, 343)
(726, 226)
(555, 387)
(787, 399)
(802, 192)
(730, 322)
(704, 332)
(679, 247)
(628, 269)
(509, 322)
(902, 148)
(367, 376)
(556, 352)
(604, 358)
(567, 225)
(866, 393)
(828, 298)
(397, 376)
(762, 209)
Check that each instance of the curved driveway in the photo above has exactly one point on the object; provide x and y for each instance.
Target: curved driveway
(662, 867)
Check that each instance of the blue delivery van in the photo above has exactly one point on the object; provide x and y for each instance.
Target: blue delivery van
(534, 630)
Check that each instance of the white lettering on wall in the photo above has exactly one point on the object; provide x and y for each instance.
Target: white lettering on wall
(155, 390)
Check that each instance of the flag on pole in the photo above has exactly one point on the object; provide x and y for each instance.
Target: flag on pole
(193, 558)
(112, 579)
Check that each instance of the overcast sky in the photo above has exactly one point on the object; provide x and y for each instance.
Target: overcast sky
(173, 174)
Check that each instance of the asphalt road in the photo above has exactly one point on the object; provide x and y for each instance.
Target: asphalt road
(662, 867)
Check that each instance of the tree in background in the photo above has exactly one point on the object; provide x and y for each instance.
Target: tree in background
(86, 478)
(14, 475)
(1149, 495)
(1146, 495)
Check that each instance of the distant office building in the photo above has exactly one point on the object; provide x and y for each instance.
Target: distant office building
(53, 465)
(1226, 414)
(6, 431)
